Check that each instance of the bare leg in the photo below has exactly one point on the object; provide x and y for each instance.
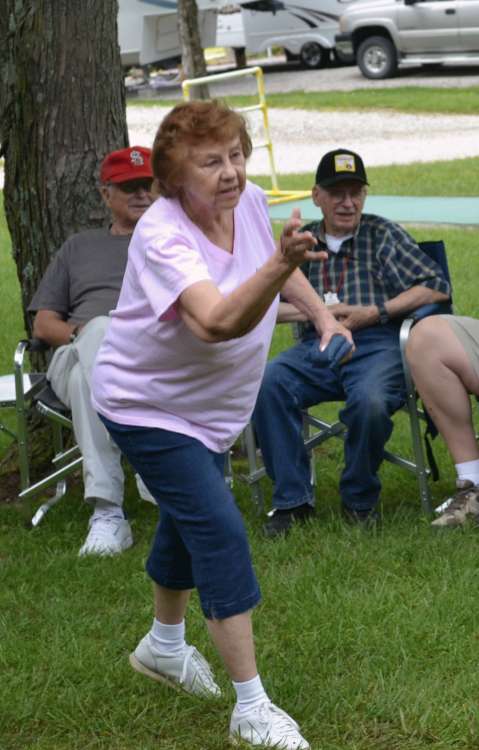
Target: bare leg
(444, 378)
(256, 716)
(170, 605)
(233, 637)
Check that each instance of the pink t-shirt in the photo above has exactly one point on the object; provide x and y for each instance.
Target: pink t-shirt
(151, 370)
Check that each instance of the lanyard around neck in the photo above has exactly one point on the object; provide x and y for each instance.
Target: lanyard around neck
(326, 279)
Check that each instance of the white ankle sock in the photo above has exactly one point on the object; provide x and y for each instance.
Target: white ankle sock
(105, 510)
(169, 640)
(249, 693)
(469, 470)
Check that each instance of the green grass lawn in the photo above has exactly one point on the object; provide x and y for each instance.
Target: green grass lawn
(450, 178)
(403, 99)
(368, 639)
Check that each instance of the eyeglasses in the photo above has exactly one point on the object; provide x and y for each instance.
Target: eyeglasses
(133, 186)
(354, 193)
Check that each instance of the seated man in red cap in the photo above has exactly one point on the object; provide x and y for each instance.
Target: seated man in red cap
(72, 304)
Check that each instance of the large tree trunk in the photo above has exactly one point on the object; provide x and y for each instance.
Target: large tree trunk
(192, 56)
(64, 109)
(3, 67)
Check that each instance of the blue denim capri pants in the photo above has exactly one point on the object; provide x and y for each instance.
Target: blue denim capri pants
(201, 539)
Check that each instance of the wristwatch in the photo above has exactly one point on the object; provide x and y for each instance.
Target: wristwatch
(383, 313)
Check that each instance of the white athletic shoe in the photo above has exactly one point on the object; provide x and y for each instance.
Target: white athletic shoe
(107, 536)
(268, 726)
(189, 671)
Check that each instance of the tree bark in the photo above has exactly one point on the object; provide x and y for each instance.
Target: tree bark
(192, 56)
(240, 57)
(3, 67)
(63, 108)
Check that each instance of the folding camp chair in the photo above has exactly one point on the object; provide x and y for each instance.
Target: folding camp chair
(35, 389)
(317, 430)
(65, 460)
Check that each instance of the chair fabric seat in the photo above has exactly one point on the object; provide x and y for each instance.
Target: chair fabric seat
(48, 397)
(31, 381)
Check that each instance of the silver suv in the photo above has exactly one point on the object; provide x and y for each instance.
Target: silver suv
(381, 34)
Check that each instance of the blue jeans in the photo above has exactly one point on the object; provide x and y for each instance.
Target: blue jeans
(201, 539)
(371, 384)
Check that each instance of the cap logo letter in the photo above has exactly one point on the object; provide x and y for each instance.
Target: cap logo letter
(136, 159)
(344, 163)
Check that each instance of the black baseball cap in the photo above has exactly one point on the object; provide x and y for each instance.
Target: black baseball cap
(339, 165)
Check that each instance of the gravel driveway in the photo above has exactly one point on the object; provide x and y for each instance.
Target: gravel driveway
(300, 138)
(347, 78)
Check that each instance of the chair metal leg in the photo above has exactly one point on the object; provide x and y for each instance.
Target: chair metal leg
(41, 512)
(60, 458)
(20, 407)
(411, 403)
(307, 438)
(255, 471)
(228, 471)
(7, 431)
(43, 484)
(61, 484)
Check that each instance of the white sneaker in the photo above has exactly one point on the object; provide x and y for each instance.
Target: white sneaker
(143, 490)
(268, 726)
(189, 671)
(107, 536)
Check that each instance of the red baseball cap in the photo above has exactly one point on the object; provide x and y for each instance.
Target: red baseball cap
(131, 163)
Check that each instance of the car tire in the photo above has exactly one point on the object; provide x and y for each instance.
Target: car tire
(377, 57)
(289, 56)
(312, 55)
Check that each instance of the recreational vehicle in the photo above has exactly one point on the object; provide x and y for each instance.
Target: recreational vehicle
(147, 30)
(305, 29)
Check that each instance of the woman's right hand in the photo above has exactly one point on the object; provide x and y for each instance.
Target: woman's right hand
(296, 247)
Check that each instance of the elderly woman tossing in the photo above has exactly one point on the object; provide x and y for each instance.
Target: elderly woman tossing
(175, 383)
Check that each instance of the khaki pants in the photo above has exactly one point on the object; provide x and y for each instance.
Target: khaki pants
(467, 331)
(69, 375)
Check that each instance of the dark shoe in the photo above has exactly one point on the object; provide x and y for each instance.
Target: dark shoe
(280, 521)
(460, 507)
(365, 519)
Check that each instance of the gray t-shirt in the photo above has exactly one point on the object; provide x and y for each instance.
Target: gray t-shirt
(84, 278)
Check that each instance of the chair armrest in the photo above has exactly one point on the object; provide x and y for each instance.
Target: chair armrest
(435, 308)
(38, 345)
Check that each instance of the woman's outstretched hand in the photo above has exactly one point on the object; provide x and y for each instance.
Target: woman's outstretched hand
(296, 246)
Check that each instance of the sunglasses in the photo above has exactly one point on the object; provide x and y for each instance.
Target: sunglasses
(132, 186)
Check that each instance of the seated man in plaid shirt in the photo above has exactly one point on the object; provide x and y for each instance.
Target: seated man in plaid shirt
(374, 275)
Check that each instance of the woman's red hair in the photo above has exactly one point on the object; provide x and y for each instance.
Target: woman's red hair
(189, 124)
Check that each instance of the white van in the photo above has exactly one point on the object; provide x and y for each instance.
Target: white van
(305, 29)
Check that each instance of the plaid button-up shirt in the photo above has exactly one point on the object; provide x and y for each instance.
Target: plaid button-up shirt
(379, 262)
